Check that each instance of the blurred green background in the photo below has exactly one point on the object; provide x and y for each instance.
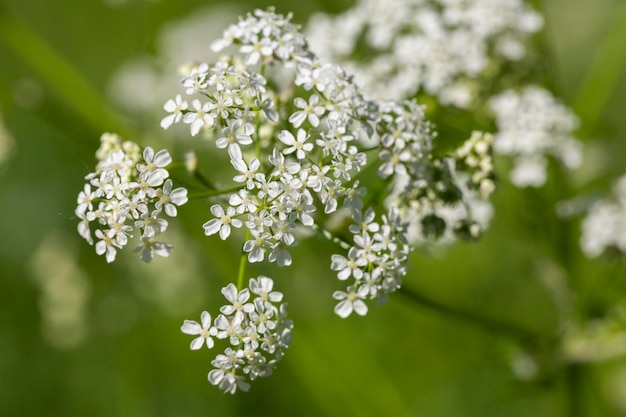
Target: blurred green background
(81, 337)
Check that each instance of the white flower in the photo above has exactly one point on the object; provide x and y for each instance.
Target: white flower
(223, 223)
(237, 300)
(200, 117)
(351, 301)
(533, 124)
(242, 202)
(262, 286)
(151, 224)
(364, 223)
(310, 110)
(248, 174)
(85, 200)
(155, 166)
(169, 199)
(176, 107)
(280, 255)
(282, 167)
(256, 50)
(237, 133)
(230, 328)
(297, 145)
(604, 226)
(350, 266)
(107, 244)
(205, 331)
(255, 247)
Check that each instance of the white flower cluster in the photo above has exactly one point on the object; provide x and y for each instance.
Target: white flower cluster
(533, 124)
(296, 146)
(312, 152)
(376, 261)
(257, 329)
(129, 190)
(605, 225)
(440, 47)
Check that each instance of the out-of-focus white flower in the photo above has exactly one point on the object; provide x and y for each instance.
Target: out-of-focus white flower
(439, 47)
(533, 124)
(605, 224)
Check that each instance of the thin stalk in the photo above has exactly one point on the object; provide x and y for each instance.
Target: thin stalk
(604, 72)
(242, 263)
(203, 180)
(489, 324)
(337, 241)
(573, 390)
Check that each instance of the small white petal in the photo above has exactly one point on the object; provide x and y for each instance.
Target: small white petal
(191, 327)
(343, 309)
(197, 343)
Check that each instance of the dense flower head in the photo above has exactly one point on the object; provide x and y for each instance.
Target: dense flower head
(307, 150)
(439, 47)
(533, 124)
(604, 226)
(129, 191)
(297, 130)
(289, 159)
(254, 323)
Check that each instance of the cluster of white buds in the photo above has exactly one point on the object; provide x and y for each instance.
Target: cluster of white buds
(257, 329)
(475, 157)
(439, 47)
(604, 227)
(131, 190)
(533, 124)
(435, 194)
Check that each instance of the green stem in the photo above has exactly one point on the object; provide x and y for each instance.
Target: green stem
(604, 73)
(573, 390)
(487, 323)
(337, 241)
(61, 76)
(242, 263)
(196, 174)
(204, 180)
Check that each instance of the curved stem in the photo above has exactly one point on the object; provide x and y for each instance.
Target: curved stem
(337, 241)
(59, 73)
(487, 323)
(199, 176)
(203, 180)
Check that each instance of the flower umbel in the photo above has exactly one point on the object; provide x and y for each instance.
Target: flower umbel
(131, 192)
(258, 333)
